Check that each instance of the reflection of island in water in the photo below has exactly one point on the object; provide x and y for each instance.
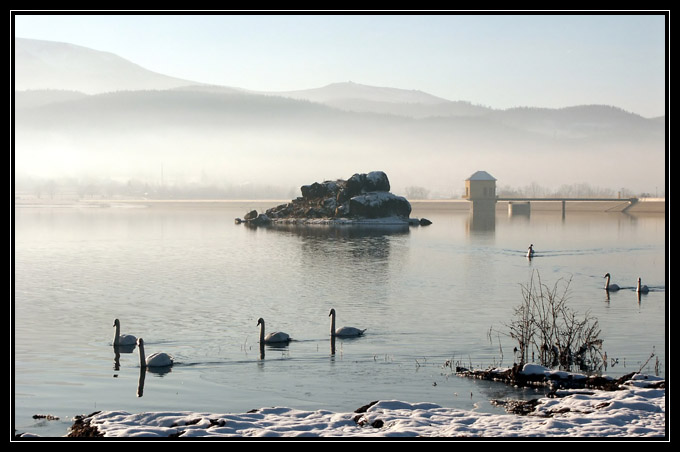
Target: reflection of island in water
(362, 254)
(367, 257)
(341, 231)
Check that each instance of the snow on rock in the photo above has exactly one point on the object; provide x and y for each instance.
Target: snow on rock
(534, 369)
(630, 412)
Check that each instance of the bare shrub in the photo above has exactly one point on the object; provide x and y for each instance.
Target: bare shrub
(550, 332)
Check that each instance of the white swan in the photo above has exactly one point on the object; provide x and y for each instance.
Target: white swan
(122, 339)
(158, 359)
(610, 287)
(276, 337)
(640, 288)
(530, 251)
(345, 331)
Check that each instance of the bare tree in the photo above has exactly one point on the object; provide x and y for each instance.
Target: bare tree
(417, 192)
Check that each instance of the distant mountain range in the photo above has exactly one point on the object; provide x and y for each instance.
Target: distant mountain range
(47, 65)
(107, 110)
(56, 65)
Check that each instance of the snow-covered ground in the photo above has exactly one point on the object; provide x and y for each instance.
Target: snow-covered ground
(634, 411)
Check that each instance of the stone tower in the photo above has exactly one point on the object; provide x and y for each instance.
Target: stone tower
(480, 188)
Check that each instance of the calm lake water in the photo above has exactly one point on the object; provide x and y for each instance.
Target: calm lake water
(192, 283)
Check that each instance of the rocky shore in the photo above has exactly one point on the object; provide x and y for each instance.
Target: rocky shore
(361, 198)
(535, 375)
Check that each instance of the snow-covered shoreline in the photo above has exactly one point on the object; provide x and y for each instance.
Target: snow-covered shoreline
(636, 410)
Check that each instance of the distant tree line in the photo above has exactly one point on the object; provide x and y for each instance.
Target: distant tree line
(580, 190)
(95, 188)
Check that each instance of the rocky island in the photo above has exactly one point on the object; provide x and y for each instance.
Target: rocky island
(363, 198)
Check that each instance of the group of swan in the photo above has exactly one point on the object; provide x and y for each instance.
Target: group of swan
(607, 286)
(279, 337)
(614, 287)
(161, 359)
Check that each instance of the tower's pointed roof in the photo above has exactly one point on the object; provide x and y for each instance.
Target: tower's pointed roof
(481, 175)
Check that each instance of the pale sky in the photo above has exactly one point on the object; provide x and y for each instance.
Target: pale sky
(499, 61)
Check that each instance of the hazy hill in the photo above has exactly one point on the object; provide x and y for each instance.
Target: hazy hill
(205, 107)
(234, 135)
(411, 110)
(61, 66)
(218, 134)
(581, 121)
(40, 97)
(350, 90)
(350, 96)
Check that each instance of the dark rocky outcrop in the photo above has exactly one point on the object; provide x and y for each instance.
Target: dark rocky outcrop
(361, 197)
(554, 380)
(82, 428)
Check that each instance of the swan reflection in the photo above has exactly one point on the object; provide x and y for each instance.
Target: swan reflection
(140, 382)
(117, 350)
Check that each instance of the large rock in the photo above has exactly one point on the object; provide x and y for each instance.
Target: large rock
(250, 215)
(325, 189)
(379, 204)
(362, 196)
(363, 183)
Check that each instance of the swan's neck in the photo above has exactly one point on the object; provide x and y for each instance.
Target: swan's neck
(116, 336)
(332, 324)
(262, 333)
(142, 358)
(606, 284)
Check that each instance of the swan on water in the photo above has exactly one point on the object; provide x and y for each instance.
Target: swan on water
(122, 339)
(276, 337)
(346, 331)
(640, 288)
(610, 287)
(158, 359)
(530, 251)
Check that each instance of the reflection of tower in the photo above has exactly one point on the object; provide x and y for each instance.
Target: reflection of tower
(480, 189)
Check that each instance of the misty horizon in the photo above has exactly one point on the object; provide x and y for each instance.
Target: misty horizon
(219, 138)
